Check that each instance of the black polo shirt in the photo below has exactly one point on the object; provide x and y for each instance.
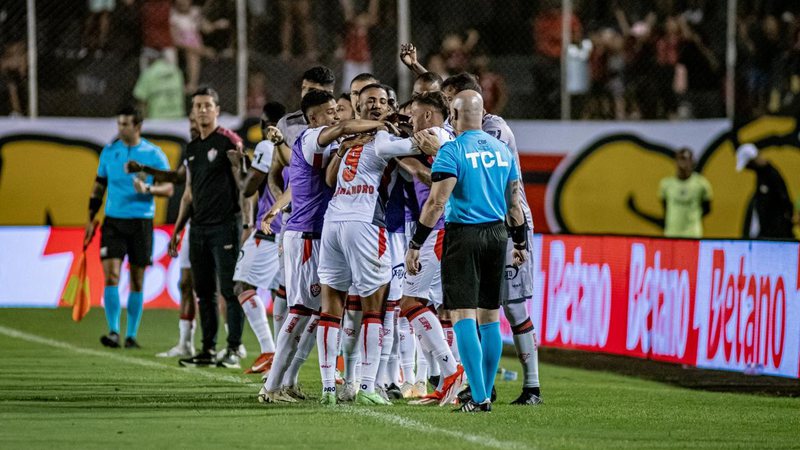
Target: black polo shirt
(215, 194)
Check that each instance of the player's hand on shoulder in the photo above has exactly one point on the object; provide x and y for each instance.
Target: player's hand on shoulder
(427, 142)
(274, 134)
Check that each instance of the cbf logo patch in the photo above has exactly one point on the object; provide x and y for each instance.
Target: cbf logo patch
(315, 289)
(511, 272)
(212, 155)
(399, 272)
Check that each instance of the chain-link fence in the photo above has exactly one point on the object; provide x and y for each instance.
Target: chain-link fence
(626, 59)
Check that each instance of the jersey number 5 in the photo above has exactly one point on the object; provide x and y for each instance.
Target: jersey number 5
(351, 163)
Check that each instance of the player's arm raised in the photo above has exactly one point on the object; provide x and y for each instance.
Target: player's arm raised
(408, 55)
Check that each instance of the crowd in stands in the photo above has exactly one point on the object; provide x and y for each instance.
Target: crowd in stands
(627, 59)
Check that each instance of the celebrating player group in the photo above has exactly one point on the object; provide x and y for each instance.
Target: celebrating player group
(390, 235)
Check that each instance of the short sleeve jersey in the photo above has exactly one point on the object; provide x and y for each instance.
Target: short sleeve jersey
(262, 160)
(215, 193)
(483, 167)
(422, 190)
(362, 186)
(684, 202)
(310, 194)
(291, 126)
(122, 200)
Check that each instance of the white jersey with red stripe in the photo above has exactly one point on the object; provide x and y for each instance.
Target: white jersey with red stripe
(362, 183)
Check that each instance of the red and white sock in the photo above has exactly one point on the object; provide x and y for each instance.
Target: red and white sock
(256, 314)
(432, 339)
(288, 340)
(328, 333)
(279, 309)
(407, 346)
(351, 329)
(450, 338)
(304, 347)
(372, 344)
(384, 376)
(524, 341)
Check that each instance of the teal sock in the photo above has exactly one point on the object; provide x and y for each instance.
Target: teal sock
(492, 346)
(471, 356)
(111, 305)
(135, 303)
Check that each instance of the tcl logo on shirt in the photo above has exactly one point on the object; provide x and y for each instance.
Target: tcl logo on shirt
(488, 159)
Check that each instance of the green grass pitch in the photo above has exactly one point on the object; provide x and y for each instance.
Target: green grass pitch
(60, 389)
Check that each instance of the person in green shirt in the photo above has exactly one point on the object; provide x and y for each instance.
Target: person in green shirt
(160, 90)
(686, 197)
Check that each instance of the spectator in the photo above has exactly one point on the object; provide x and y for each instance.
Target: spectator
(493, 85)
(457, 51)
(703, 86)
(769, 213)
(218, 29)
(785, 95)
(14, 72)
(578, 53)
(763, 41)
(357, 54)
(95, 30)
(297, 13)
(160, 90)
(256, 93)
(185, 21)
(156, 34)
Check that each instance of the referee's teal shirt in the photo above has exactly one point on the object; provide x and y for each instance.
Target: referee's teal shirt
(122, 200)
(483, 166)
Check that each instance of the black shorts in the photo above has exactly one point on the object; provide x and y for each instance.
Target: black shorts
(473, 265)
(132, 237)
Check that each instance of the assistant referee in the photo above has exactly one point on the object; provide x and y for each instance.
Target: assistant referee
(477, 177)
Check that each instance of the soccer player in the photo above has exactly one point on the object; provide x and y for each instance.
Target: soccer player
(358, 83)
(518, 289)
(288, 129)
(477, 177)
(259, 265)
(211, 199)
(128, 225)
(302, 231)
(427, 82)
(354, 251)
(188, 307)
(423, 287)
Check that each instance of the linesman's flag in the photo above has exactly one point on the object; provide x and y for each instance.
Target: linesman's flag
(77, 292)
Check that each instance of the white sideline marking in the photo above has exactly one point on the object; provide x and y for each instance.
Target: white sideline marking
(391, 419)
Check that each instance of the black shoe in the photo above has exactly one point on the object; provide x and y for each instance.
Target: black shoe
(434, 381)
(394, 392)
(466, 395)
(131, 343)
(110, 340)
(472, 407)
(529, 396)
(205, 358)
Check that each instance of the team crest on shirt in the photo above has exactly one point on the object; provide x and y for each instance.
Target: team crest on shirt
(511, 272)
(315, 289)
(212, 155)
(399, 271)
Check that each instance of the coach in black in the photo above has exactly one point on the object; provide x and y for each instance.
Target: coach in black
(477, 176)
(211, 200)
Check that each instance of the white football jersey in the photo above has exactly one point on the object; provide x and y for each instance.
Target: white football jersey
(362, 184)
(497, 127)
(262, 156)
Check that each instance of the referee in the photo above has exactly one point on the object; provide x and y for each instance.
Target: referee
(128, 225)
(477, 177)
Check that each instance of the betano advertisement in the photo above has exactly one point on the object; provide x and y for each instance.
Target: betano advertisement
(728, 305)
(580, 177)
